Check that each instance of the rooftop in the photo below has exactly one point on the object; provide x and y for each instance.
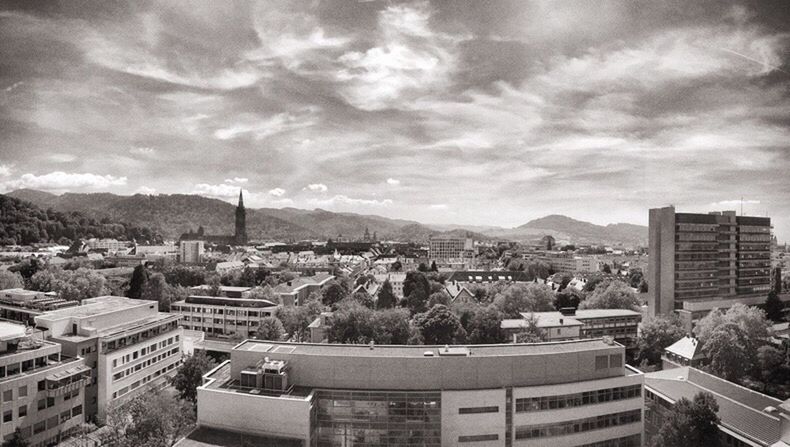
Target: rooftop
(95, 306)
(740, 409)
(210, 437)
(225, 301)
(223, 288)
(585, 314)
(418, 351)
(687, 347)
(11, 331)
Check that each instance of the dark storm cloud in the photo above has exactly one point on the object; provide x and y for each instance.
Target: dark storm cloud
(435, 111)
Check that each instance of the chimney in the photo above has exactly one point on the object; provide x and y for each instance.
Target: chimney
(561, 321)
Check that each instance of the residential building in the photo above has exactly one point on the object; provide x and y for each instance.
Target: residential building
(191, 252)
(577, 393)
(169, 251)
(297, 290)
(223, 316)
(396, 280)
(748, 418)
(41, 391)
(126, 342)
(554, 325)
(447, 248)
(620, 324)
(228, 266)
(24, 305)
(487, 277)
(685, 352)
(703, 261)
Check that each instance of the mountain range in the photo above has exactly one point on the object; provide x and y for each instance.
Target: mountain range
(174, 214)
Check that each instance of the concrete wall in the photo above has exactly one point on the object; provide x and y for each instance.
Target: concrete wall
(661, 266)
(259, 415)
(455, 424)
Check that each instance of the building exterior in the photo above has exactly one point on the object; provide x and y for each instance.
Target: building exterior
(297, 290)
(396, 280)
(110, 245)
(24, 305)
(620, 324)
(703, 261)
(240, 234)
(748, 418)
(126, 342)
(191, 252)
(576, 393)
(685, 352)
(448, 248)
(223, 316)
(41, 391)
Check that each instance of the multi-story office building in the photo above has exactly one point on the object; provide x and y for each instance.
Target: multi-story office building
(41, 392)
(191, 252)
(446, 248)
(223, 316)
(620, 324)
(126, 342)
(703, 261)
(24, 305)
(577, 393)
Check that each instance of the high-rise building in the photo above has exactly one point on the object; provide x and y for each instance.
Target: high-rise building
(191, 252)
(128, 344)
(41, 391)
(703, 261)
(240, 235)
(446, 248)
(573, 393)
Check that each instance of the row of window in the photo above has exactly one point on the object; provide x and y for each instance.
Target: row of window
(578, 425)
(478, 410)
(129, 340)
(627, 441)
(132, 356)
(8, 415)
(478, 438)
(13, 369)
(131, 370)
(608, 361)
(577, 399)
(144, 380)
(230, 312)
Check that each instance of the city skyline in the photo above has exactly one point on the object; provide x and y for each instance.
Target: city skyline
(425, 111)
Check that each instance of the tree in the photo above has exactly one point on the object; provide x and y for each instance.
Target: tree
(264, 293)
(606, 268)
(440, 297)
(140, 276)
(729, 352)
(439, 326)
(592, 283)
(422, 267)
(333, 293)
(520, 297)
(416, 280)
(387, 299)
(364, 299)
(351, 323)
(567, 298)
(616, 295)
(485, 326)
(777, 280)
(635, 277)
(214, 283)
(531, 333)
(656, 334)
(750, 319)
(10, 280)
(27, 268)
(391, 327)
(72, 285)
(296, 319)
(691, 424)
(151, 419)
(770, 362)
(433, 267)
(396, 266)
(774, 307)
(16, 440)
(190, 375)
(157, 289)
(271, 328)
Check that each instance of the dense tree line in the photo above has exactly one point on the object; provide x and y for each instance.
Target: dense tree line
(24, 223)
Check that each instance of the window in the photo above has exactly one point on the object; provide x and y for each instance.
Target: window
(76, 411)
(23, 411)
(42, 404)
(601, 362)
(23, 391)
(50, 402)
(8, 395)
(38, 428)
(8, 416)
(475, 410)
(476, 438)
(615, 361)
(42, 385)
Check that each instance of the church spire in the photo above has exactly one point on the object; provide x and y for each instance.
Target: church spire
(240, 236)
(241, 199)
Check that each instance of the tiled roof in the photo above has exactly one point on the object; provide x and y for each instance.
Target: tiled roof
(687, 347)
(487, 276)
(740, 410)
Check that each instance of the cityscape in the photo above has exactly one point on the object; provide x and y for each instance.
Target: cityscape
(394, 223)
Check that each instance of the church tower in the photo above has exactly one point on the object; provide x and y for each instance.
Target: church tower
(240, 237)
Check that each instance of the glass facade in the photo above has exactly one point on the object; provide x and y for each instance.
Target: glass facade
(383, 418)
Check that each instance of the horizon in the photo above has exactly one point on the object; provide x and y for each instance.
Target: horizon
(490, 114)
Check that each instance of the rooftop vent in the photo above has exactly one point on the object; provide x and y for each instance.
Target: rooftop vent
(770, 410)
(428, 354)
(608, 339)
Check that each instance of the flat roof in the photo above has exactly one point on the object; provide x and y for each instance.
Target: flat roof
(586, 313)
(95, 306)
(212, 437)
(418, 351)
(11, 331)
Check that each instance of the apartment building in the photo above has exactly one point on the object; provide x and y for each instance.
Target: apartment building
(223, 316)
(703, 261)
(24, 305)
(747, 418)
(577, 393)
(568, 324)
(396, 280)
(191, 252)
(126, 342)
(41, 391)
(443, 249)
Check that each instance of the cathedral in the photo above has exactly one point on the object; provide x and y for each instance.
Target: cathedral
(239, 236)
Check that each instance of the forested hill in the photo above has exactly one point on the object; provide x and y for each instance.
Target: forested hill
(22, 222)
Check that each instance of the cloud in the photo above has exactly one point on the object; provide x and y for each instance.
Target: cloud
(735, 202)
(62, 181)
(260, 128)
(221, 191)
(317, 187)
(61, 158)
(5, 170)
(276, 192)
(438, 206)
(393, 182)
(146, 151)
(237, 180)
(342, 200)
(13, 86)
(145, 190)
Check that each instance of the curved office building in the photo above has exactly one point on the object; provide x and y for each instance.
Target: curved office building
(575, 393)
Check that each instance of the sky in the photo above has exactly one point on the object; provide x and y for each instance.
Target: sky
(476, 113)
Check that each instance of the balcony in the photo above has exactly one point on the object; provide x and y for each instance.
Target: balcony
(65, 389)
